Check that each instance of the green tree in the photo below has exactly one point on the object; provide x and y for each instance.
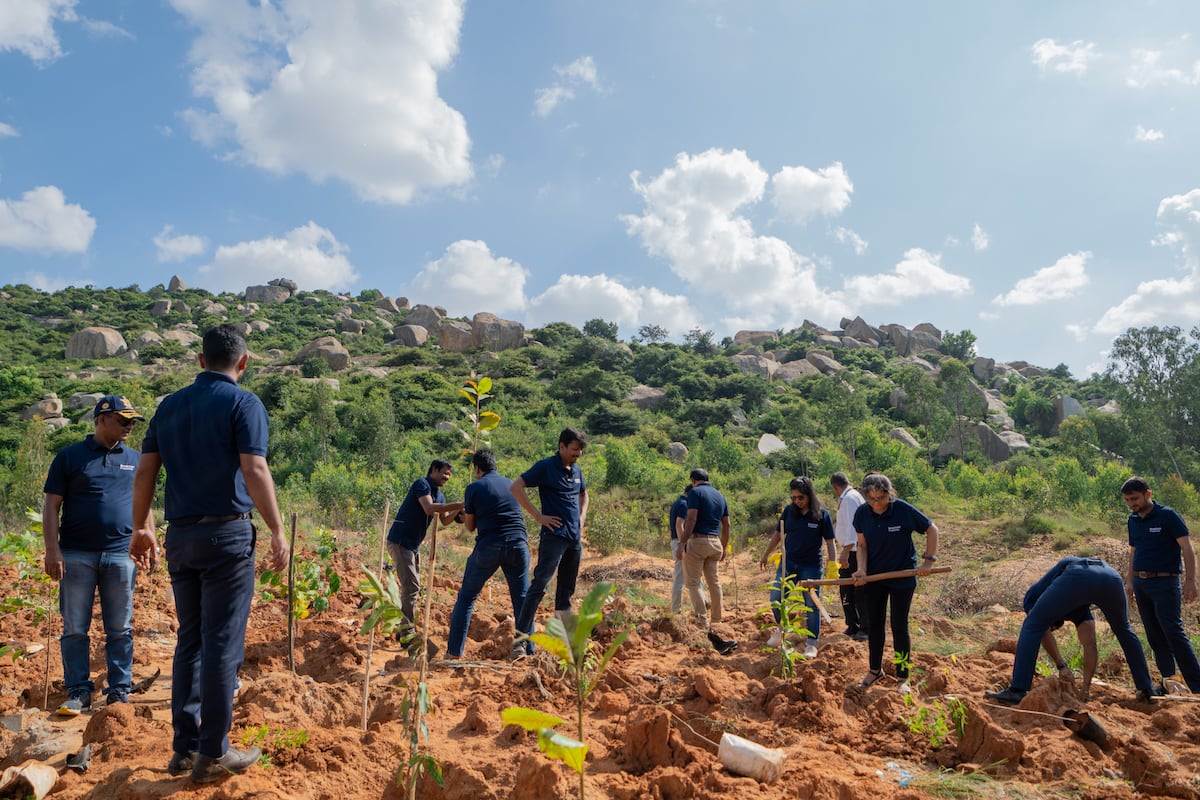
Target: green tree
(959, 345)
(841, 408)
(1158, 371)
(601, 329)
(961, 397)
(652, 334)
(700, 341)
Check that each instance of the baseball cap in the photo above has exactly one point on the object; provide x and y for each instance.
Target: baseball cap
(115, 404)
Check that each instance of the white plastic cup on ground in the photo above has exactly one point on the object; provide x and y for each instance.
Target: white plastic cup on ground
(744, 757)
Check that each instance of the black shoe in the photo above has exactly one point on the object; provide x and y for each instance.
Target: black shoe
(1008, 697)
(207, 769)
(722, 646)
(80, 761)
(850, 631)
(1147, 695)
(860, 636)
(181, 763)
(114, 697)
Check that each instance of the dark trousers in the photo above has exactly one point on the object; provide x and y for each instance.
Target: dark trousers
(877, 596)
(853, 602)
(512, 556)
(1159, 602)
(556, 555)
(212, 575)
(1093, 582)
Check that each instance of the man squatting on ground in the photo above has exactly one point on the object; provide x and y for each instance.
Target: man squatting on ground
(564, 499)
(91, 484)
(212, 438)
(702, 545)
(1158, 540)
(1068, 591)
(854, 607)
(490, 509)
(424, 499)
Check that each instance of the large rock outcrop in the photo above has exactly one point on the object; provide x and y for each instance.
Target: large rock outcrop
(493, 333)
(646, 397)
(96, 342)
(755, 337)
(996, 447)
(268, 294)
(410, 335)
(427, 317)
(455, 336)
(327, 348)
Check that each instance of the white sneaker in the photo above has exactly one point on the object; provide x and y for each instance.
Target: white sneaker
(904, 688)
(776, 639)
(810, 651)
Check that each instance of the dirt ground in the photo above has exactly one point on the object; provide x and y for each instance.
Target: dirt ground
(652, 724)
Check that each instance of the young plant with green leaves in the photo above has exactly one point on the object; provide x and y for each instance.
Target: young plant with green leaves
(315, 581)
(569, 640)
(381, 599)
(793, 612)
(482, 422)
(939, 720)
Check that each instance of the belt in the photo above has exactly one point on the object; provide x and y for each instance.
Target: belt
(207, 519)
(694, 535)
(1156, 574)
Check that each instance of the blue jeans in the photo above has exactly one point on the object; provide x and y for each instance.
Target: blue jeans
(113, 573)
(512, 556)
(813, 621)
(1095, 583)
(1159, 602)
(556, 554)
(212, 575)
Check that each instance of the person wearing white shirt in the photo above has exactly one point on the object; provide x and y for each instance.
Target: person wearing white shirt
(846, 537)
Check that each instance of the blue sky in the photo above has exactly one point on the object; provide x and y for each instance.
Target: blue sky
(1027, 170)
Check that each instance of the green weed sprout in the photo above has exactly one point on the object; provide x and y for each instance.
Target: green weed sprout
(569, 640)
(938, 720)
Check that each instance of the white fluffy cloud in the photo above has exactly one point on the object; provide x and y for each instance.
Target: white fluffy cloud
(43, 220)
(800, 193)
(1073, 58)
(1060, 280)
(170, 247)
(979, 237)
(578, 74)
(468, 278)
(583, 297)
(1147, 134)
(27, 26)
(309, 255)
(692, 221)
(345, 91)
(919, 274)
(847, 236)
(8, 130)
(1166, 301)
(1150, 68)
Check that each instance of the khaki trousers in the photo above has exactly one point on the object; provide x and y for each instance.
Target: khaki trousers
(700, 558)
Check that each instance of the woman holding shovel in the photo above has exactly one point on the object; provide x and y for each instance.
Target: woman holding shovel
(803, 526)
(885, 527)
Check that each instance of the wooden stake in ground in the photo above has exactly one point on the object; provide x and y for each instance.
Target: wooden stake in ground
(820, 607)
(387, 513)
(49, 631)
(291, 603)
(881, 576)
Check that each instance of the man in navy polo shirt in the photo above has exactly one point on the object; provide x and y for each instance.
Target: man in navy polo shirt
(1158, 541)
(212, 438)
(424, 499)
(564, 499)
(702, 544)
(91, 484)
(490, 509)
(1067, 592)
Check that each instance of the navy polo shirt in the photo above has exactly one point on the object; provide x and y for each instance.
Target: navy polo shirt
(201, 433)
(1154, 540)
(497, 513)
(411, 523)
(96, 485)
(710, 507)
(678, 512)
(559, 487)
(802, 537)
(889, 539)
(1076, 615)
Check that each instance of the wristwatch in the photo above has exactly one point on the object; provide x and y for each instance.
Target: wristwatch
(928, 557)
